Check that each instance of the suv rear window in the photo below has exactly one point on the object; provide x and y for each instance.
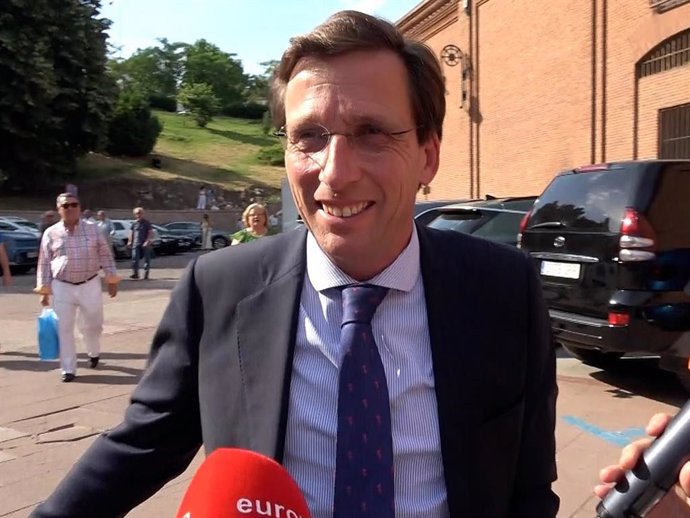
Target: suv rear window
(592, 201)
(463, 221)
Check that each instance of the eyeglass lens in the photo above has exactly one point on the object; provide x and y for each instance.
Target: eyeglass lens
(365, 139)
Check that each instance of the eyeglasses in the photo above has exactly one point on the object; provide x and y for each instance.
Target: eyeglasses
(366, 139)
(70, 205)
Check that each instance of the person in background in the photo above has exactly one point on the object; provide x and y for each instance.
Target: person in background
(48, 219)
(72, 253)
(105, 225)
(272, 221)
(201, 200)
(361, 351)
(206, 231)
(5, 264)
(88, 215)
(255, 219)
(141, 241)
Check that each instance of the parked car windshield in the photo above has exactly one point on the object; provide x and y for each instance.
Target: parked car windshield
(586, 202)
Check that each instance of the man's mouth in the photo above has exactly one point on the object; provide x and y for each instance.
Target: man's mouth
(346, 211)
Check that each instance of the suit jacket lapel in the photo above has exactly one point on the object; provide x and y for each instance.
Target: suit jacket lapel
(267, 326)
(450, 318)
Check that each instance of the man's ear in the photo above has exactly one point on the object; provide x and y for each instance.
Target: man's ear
(432, 151)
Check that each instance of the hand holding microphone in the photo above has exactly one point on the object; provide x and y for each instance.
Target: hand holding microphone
(233, 483)
(652, 472)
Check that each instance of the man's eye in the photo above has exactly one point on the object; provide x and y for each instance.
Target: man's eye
(307, 134)
(369, 129)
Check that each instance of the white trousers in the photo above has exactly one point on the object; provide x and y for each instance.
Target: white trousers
(87, 299)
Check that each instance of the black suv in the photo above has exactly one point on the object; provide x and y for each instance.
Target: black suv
(612, 243)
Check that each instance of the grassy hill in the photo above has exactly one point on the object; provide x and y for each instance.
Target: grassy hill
(224, 156)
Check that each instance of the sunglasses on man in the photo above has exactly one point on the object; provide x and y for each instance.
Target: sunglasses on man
(70, 205)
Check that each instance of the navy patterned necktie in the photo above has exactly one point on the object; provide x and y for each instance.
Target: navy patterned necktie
(364, 460)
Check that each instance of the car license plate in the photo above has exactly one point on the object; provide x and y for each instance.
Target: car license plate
(563, 270)
(31, 255)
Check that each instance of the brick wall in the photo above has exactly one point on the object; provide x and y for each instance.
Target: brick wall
(534, 83)
(554, 87)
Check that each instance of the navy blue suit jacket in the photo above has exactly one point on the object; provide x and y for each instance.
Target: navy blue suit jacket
(221, 361)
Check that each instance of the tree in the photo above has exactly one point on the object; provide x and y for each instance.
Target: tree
(206, 63)
(153, 70)
(199, 100)
(257, 85)
(133, 131)
(55, 94)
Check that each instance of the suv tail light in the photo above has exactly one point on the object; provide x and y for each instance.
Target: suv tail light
(523, 226)
(638, 239)
(619, 319)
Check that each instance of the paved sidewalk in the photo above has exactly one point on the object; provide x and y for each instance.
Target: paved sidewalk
(45, 425)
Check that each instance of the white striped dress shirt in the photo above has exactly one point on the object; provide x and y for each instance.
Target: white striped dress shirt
(402, 335)
(73, 255)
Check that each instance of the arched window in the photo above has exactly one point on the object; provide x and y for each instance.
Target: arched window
(671, 53)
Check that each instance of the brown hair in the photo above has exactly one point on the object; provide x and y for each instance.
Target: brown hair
(349, 31)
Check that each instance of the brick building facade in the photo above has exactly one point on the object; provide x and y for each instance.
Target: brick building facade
(538, 86)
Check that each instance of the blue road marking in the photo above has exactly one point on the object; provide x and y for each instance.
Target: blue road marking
(620, 438)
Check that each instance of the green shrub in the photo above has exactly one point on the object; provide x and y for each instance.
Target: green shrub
(199, 100)
(253, 111)
(132, 131)
(163, 102)
(272, 155)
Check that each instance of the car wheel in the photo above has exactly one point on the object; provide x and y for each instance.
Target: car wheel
(592, 356)
(19, 270)
(219, 242)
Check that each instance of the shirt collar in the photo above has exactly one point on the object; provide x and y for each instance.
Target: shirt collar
(77, 225)
(400, 275)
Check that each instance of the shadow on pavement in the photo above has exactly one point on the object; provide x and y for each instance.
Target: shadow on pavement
(82, 357)
(105, 379)
(140, 284)
(30, 362)
(27, 365)
(641, 376)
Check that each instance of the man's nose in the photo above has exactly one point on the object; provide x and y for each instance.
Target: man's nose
(339, 164)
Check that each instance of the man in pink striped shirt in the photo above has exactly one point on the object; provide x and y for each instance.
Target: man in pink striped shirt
(72, 253)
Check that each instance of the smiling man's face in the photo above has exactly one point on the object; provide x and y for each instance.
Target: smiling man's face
(356, 199)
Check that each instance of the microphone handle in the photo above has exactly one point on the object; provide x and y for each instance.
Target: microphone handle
(653, 475)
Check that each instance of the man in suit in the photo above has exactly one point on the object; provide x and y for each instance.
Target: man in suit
(249, 352)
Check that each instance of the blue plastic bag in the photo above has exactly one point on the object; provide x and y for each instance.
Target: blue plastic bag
(48, 341)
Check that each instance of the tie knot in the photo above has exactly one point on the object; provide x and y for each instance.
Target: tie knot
(360, 302)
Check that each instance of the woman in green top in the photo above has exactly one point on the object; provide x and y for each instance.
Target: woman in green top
(255, 218)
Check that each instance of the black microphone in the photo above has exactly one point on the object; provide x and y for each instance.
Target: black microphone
(653, 475)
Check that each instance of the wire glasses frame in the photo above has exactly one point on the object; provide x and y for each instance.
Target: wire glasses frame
(366, 139)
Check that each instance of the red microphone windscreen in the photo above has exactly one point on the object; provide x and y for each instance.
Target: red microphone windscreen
(234, 483)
